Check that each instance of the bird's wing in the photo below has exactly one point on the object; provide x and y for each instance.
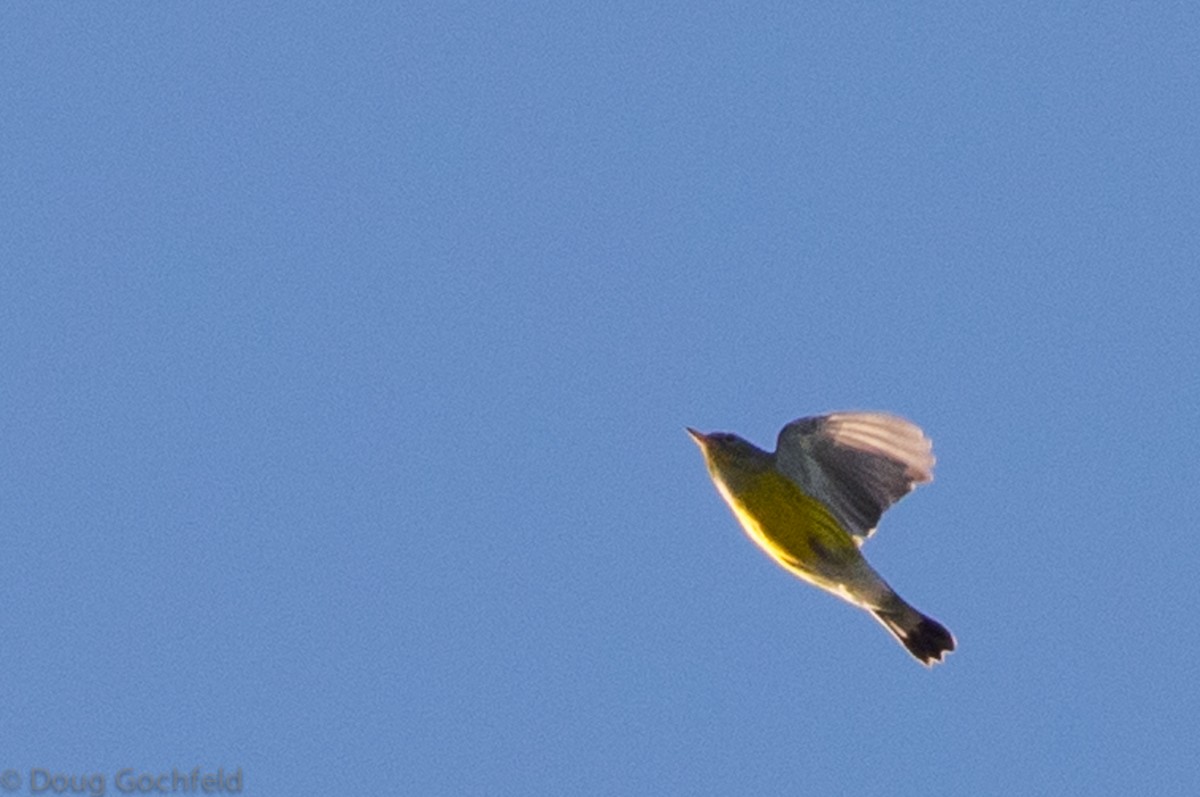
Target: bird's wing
(856, 463)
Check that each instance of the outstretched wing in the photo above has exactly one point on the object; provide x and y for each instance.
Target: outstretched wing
(856, 463)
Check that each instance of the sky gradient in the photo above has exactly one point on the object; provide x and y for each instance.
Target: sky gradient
(347, 353)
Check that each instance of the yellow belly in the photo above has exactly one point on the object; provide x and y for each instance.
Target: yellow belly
(794, 529)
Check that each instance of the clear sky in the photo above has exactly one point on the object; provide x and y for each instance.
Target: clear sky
(346, 353)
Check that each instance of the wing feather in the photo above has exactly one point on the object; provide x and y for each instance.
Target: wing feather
(856, 463)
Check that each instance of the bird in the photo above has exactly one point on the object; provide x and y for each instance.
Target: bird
(813, 502)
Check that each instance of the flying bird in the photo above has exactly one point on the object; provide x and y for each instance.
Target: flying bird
(813, 502)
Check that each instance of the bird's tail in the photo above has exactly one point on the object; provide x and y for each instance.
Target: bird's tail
(925, 638)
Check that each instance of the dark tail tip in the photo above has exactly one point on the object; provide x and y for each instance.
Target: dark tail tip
(925, 638)
(929, 642)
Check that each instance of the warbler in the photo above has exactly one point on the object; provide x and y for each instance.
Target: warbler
(813, 502)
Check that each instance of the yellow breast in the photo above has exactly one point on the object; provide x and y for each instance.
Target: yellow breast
(794, 529)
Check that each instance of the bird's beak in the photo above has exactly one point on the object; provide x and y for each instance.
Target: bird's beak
(699, 439)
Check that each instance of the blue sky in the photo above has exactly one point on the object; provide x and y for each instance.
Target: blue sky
(347, 353)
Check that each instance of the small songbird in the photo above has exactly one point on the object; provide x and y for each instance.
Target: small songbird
(812, 504)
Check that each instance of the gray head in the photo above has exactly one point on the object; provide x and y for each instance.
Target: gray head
(724, 451)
